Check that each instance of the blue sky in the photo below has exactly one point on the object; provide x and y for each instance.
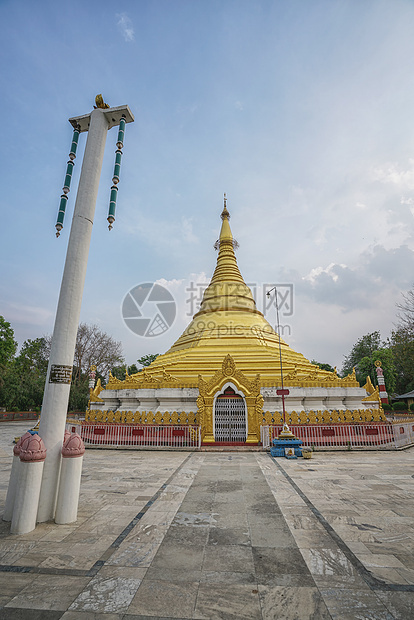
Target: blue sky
(301, 111)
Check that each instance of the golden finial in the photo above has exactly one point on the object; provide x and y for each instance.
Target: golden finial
(100, 103)
(225, 214)
(378, 364)
(225, 233)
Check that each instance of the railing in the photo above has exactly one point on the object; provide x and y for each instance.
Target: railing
(403, 434)
(12, 416)
(385, 436)
(144, 435)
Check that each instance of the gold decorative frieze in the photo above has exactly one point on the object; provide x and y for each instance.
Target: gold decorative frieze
(139, 417)
(143, 379)
(316, 378)
(356, 416)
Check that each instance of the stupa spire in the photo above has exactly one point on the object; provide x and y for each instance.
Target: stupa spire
(227, 290)
(226, 269)
(225, 213)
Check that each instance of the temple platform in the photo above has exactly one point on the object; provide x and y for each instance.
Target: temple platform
(219, 535)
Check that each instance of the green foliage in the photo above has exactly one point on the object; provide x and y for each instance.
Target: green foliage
(365, 352)
(366, 367)
(323, 366)
(8, 345)
(400, 406)
(412, 407)
(22, 378)
(10, 387)
(363, 347)
(146, 360)
(387, 407)
(31, 367)
(34, 355)
(402, 343)
(119, 372)
(79, 393)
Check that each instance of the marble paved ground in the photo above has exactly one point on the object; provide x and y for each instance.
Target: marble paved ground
(219, 535)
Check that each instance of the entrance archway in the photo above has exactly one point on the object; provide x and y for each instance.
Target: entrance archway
(230, 417)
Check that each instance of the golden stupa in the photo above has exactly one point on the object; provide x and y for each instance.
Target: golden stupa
(228, 323)
(229, 344)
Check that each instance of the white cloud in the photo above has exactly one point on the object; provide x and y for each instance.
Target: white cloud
(330, 270)
(126, 27)
(392, 174)
(375, 274)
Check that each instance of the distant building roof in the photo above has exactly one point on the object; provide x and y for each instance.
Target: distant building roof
(407, 395)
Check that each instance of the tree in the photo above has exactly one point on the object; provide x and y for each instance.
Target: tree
(366, 367)
(23, 378)
(95, 347)
(31, 367)
(402, 343)
(34, 355)
(323, 366)
(79, 394)
(119, 372)
(146, 360)
(406, 308)
(8, 380)
(8, 345)
(9, 387)
(364, 347)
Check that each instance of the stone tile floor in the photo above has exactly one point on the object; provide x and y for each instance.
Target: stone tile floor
(219, 535)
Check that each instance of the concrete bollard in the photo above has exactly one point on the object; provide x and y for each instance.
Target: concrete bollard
(14, 478)
(32, 456)
(70, 478)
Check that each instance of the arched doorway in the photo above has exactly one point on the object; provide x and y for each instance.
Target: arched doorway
(230, 417)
